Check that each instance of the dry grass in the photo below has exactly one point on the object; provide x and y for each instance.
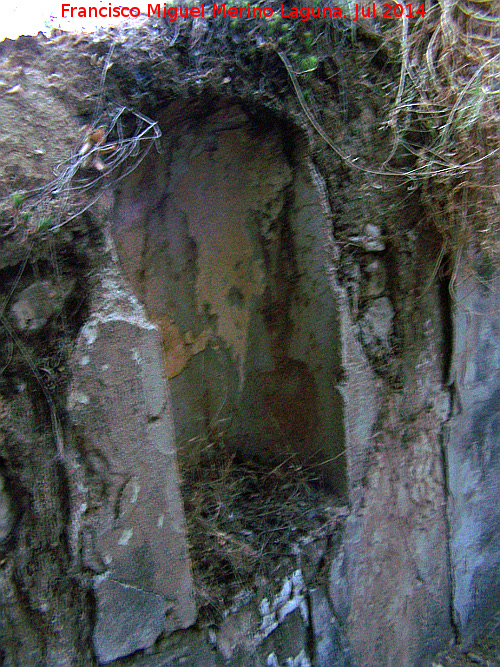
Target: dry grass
(96, 165)
(248, 522)
(449, 89)
(443, 115)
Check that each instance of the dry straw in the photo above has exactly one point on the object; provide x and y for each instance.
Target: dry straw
(449, 86)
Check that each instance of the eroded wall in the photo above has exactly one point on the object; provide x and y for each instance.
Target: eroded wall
(473, 449)
(131, 519)
(250, 341)
(390, 581)
(227, 239)
(222, 238)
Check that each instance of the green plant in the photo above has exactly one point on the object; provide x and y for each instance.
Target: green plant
(307, 39)
(308, 63)
(17, 199)
(43, 224)
(273, 24)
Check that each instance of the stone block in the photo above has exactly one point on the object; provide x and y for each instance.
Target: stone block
(136, 537)
(330, 646)
(36, 304)
(128, 619)
(473, 455)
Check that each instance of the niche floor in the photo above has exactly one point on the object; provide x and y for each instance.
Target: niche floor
(251, 525)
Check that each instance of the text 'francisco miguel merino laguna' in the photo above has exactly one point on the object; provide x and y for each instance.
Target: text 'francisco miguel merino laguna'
(245, 11)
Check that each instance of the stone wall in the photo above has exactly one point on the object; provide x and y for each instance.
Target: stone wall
(472, 449)
(135, 541)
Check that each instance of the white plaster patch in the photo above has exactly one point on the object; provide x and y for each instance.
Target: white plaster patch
(125, 538)
(119, 304)
(291, 597)
(84, 360)
(161, 519)
(89, 332)
(117, 316)
(105, 575)
(77, 398)
(136, 487)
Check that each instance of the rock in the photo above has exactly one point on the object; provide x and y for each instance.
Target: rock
(190, 648)
(376, 323)
(372, 239)
(361, 393)
(338, 577)
(36, 304)
(397, 557)
(119, 402)
(128, 619)
(288, 643)
(473, 453)
(277, 627)
(330, 645)
(391, 575)
(6, 513)
(311, 553)
(291, 597)
(238, 630)
(376, 279)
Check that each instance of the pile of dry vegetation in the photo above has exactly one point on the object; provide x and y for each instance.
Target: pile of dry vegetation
(251, 523)
(449, 93)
